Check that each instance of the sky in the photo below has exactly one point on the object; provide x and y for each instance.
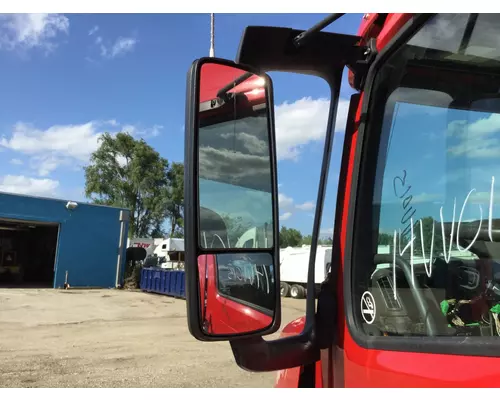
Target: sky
(447, 160)
(73, 77)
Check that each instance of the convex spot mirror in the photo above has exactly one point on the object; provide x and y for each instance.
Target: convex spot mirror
(231, 212)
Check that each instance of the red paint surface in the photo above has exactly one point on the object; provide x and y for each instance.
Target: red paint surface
(289, 378)
(214, 77)
(224, 315)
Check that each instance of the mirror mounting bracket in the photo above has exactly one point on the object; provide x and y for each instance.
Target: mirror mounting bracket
(273, 49)
(258, 355)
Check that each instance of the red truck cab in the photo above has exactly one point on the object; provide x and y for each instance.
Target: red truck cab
(418, 175)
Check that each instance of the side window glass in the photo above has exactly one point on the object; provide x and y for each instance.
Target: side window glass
(436, 201)
(250, 281)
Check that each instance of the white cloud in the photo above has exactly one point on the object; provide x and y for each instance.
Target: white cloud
(284, 201)
(285, 216)
(75, 141)
(304, 121)
(62, 144)
(288, 205)
(28, 31)
(476, 140)
(46, 164)
(16, 161)
(135, 130)
(427, 198)
(121, 46)
(121, 160)
(20, 184)
(307, 206)
(93, 30)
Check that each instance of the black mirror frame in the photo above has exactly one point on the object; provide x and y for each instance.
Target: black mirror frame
(191, 201)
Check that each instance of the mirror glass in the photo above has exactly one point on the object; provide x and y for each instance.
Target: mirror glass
(234, 162)
(237, 292)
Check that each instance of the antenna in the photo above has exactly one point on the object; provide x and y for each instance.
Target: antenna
(212, 35)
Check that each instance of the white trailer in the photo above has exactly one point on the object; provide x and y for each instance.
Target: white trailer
(294, 263)
(171, 253)
(145, 243)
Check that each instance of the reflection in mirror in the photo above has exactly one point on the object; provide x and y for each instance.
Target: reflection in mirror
(235, 185)
(237, 292)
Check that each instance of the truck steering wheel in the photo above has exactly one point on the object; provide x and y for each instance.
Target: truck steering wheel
(422, 306)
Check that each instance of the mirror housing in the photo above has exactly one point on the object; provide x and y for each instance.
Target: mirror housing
(231, 203)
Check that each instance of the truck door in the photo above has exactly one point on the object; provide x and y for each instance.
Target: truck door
(423, 179)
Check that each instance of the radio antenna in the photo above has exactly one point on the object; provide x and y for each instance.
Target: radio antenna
(212, 35)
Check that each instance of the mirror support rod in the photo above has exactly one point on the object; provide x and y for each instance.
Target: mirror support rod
(301, 39)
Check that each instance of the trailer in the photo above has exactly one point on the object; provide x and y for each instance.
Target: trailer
(146, 243)
(294, 263)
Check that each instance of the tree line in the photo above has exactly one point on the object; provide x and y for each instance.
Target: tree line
(428, 223)
(127, 172)
(293, 238)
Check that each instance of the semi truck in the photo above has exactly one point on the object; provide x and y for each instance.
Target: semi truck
(417, 173)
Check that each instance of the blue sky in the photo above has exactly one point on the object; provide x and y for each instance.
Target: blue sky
(438, 157)
(67, 78)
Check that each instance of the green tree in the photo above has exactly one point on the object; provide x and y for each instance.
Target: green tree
(385, 239)
(175, 200)
(325, 242)
(126, 172)
(290, 237)
(307, 240)
(427, 225)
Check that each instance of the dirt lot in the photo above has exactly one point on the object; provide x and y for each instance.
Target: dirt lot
(111, 338)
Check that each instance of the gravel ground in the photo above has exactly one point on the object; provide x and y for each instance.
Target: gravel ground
(112, 338)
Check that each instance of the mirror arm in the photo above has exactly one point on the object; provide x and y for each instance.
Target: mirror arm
(258, 355)
(323, 181)
(327, 312)
(222, 93)
(302, 38)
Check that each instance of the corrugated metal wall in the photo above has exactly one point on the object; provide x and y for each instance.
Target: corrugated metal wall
(88, 240)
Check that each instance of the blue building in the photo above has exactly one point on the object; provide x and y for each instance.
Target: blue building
(47, 242)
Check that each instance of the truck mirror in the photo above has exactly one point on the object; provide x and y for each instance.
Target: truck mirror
(231, 210)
